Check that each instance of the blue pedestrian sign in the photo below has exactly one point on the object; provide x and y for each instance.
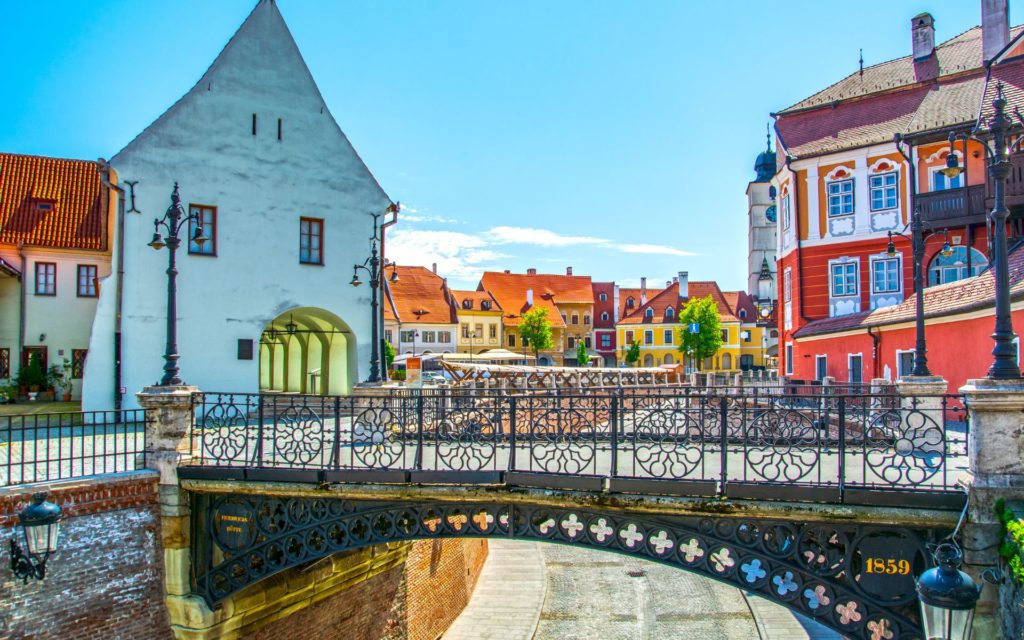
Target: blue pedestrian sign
(694, 327)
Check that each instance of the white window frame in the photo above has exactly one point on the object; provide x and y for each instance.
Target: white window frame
(840, 195)
(899, 357)
(789, 358)
(818, 358)
(669, 312)
(648, 312)
(844, 263)
(933, 179)
(785, 211)
(898, 259)
(885, 189)
(787, 284)
(604, 316)
(668, 338)
(649, 337)
(849, 366)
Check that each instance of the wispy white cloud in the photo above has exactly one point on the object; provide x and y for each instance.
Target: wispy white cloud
(659, 249)
(458, 255)
(539, 237)
(412, 214)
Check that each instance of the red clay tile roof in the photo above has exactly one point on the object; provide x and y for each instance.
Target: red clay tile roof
(889, 99)
(956, 55)
(78, 219)
(419, 297)
(626, 293)
(961, 296)
(669, 297)
(509, 289)
(738, 300)
(475, 298)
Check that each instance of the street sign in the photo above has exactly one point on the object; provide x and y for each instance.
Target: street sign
(694, 327)
(413, 367)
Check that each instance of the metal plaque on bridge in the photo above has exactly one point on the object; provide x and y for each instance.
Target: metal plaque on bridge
(889, 564)
(234, 524)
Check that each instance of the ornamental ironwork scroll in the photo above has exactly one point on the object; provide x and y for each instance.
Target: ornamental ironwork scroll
(855, 579)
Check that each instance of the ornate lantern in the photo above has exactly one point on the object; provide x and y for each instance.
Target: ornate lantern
(40, 526)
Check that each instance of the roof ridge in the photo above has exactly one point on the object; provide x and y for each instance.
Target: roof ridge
(958, 39)
(42, 157)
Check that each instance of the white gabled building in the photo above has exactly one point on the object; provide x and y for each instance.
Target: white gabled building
(288, 205)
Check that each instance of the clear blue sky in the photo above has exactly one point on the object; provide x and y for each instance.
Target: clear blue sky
(519, 134)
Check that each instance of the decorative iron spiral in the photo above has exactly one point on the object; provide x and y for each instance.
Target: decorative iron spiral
(466, 440)
(905, 446)
(225, 433)
(782, 445)
(668, 443)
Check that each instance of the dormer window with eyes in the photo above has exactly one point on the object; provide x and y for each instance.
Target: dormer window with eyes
(485, 305)
(467, 304)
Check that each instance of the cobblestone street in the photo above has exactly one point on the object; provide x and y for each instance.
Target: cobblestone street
(591, 594)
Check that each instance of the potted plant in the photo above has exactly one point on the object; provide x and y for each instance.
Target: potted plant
(9, 392)
(31, 376)
(67, 382)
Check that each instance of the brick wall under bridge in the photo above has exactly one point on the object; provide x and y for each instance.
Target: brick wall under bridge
(107, 579)
(811, 558)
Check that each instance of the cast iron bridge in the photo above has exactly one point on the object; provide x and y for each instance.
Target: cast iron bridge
(282, 480)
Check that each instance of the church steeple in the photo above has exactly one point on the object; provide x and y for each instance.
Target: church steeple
(765, 165)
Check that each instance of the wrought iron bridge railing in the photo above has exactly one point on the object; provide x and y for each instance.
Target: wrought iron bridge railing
(740, 443)
(55, 446)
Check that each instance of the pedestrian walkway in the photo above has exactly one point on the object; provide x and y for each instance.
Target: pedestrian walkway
(775, 622)
(509, 595)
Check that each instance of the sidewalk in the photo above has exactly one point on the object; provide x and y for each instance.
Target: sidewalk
(509, 595)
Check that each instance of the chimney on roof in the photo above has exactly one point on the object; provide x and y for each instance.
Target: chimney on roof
(922, 31)
(995, 27)
(529, 297)
(508, 271)
(531, 272)
(674, 280)
(684, 284)
(668, 283)
(433, 267)
(643, 290)
(568, 271)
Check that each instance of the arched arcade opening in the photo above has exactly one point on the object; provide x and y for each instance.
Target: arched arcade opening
(308, 350)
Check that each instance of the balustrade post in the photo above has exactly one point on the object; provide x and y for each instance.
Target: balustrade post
(512, 433)
(169, 424)
(614, 428)
(724, 428)
(995, 471)
(841, 449)
(419, 429)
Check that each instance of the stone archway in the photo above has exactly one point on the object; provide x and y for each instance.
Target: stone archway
(307, 350)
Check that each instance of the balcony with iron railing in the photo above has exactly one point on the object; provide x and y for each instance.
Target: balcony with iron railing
(952, 207)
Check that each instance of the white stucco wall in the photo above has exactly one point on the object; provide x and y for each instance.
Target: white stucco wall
(261, 186)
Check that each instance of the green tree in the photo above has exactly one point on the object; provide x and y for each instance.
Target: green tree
(582, 357)
(32, 375)
(536, 330)
(389, 354)
(708, 339)
(633, 353)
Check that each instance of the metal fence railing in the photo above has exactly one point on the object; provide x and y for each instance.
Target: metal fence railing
(54, 446)
(722, 442)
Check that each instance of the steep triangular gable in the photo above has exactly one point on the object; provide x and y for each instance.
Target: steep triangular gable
(260, 58)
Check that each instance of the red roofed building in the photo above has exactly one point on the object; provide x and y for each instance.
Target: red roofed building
(568, 299)
(959, 317)
(55, 248)
(419, 312)
(605, 317)
(844, 185)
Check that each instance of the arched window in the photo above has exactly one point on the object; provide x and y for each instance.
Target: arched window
(743, 313)
(669, 312)
(726, 361)
(648, 360)
(604, 297)
(943, 269)
(669, 359)
(604, 315)
(649, 312)
(630, 302)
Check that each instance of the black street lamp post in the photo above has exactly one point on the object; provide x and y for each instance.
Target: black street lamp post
(174, 220)
(374, 266)
(948, 596)
(917, 240)
(1004, 362)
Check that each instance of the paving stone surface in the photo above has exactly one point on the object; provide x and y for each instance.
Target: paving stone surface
(554, 592)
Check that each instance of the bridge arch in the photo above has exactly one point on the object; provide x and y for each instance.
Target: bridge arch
(816, 569)
(307, 350)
